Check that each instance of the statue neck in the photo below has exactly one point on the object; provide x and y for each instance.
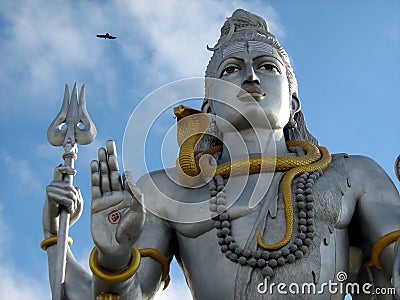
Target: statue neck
(253, 142)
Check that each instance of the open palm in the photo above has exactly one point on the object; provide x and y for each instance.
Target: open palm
(117, 217)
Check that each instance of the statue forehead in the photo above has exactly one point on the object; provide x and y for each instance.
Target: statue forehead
(248, 46)
(254, 48)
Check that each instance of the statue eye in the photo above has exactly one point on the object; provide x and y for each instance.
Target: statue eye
(230, 69)
(268, 66)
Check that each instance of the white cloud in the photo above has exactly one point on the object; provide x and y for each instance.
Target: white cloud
(176, 34)
(83, 258)
(19, 286)
(49, 42)
(173, 292)
(6, 234)
(16, 284)
(21, 171)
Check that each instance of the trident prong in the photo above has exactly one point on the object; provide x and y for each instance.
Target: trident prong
(65, 127)
(65, 131)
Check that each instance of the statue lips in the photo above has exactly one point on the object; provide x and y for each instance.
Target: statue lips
(253, 90)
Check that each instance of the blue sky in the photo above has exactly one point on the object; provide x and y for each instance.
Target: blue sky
(344, 53)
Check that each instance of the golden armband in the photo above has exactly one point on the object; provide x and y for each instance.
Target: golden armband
(158, 256)
(114, 277)
(382, 243)
(129, 271)
(52, 241)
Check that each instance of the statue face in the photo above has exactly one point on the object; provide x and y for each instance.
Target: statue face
(261, 89)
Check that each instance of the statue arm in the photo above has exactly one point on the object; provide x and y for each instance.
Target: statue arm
(119, 227)
(77, 280)
(113, 240)
(377, 210)
(81, 285)
(157, 234)
(59, 192)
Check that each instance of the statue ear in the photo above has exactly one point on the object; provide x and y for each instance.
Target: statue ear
(296, 105)
(206, 107)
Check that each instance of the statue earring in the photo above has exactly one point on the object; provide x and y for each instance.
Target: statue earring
(295, 107)
(212, 129)
(292, 124)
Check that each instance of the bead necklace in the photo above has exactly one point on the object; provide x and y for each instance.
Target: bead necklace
(265, 260)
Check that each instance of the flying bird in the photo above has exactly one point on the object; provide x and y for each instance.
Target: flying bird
(106, 36)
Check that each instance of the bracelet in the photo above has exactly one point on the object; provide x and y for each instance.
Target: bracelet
(158, 256)
(52, 241)
(381, 244)
(114, 277)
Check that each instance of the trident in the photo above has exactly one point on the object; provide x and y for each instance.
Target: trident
(72, 126)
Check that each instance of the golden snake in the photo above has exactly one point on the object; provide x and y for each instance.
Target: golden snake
(191, 130)
(382, 243)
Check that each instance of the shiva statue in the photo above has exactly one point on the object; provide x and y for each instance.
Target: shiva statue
(318, 215)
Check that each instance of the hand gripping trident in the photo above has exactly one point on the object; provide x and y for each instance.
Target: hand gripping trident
(71, 127)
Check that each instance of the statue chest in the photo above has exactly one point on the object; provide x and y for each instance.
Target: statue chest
(258, 199)
(306, 258)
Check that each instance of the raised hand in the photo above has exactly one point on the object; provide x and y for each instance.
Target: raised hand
(60, 192)
(117, 216)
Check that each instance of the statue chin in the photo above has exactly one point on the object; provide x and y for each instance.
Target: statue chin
(254, 116)
(265, 119)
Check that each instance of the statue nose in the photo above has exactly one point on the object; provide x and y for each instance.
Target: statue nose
(250, 75)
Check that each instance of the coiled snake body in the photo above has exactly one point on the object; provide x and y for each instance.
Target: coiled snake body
(192, 129)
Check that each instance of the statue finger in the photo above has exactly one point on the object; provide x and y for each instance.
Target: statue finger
(136, 203)
(115, 179)
(102, 155)
(61, 171)
(112, 156)
(58, 175)
(96, 193)
(95, 178)
(104, 177)
(104, 171)
(77, 197)
(116, 183)
(130, 186)
(78, 207)
(62, 200)
(64, 185)
(113, 163)
(63, 189)
(95, 173)
(79, 202)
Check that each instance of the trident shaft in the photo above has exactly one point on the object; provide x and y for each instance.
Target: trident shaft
(72, 126)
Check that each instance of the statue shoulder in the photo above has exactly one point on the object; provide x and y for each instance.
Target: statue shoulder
(369, 188)
(363, 167)
(163, 179)
(367, 175)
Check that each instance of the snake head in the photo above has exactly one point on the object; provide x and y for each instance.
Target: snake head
(182, 111)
